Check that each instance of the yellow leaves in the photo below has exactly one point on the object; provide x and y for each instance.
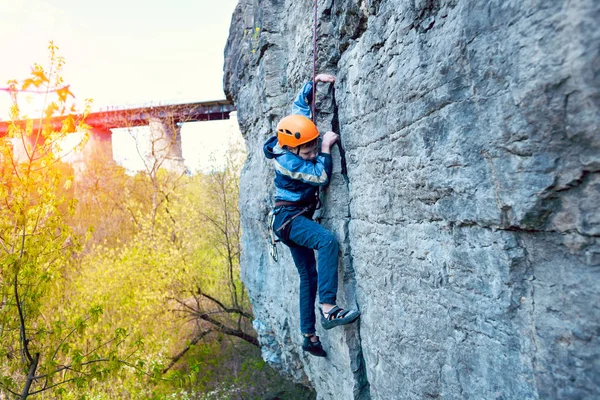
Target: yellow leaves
(51, 109)
(88, 107)
(67, 184)
(14, 111)
(52, 47)
(63, 93)
(39, 74)
(12, 84)
(253, 37)
(28, 82)
(43, 86)
(38, 78)
(68, 125)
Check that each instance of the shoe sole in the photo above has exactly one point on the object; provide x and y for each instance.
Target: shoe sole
(309, 351)
(316, 355)
(348, 319)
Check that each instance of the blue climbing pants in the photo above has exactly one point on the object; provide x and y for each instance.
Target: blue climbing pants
(302, 235)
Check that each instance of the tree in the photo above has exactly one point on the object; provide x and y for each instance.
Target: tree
(43, 347)
(217, 301)
(205, 206)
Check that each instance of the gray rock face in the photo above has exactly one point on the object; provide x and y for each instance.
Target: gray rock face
(469, 226)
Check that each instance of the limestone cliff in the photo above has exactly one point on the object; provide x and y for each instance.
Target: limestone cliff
(469, 223)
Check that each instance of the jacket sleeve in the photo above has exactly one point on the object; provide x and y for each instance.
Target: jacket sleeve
(316, 174)
(302, 103)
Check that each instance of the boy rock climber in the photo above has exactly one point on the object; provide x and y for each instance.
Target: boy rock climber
(302, 164)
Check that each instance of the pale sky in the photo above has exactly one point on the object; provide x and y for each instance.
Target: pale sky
(124, 53)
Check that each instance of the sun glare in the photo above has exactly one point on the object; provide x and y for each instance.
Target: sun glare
(31, 106)
(68, 146)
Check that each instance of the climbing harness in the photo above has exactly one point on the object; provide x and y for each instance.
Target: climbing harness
(304, 210)
(274, 239)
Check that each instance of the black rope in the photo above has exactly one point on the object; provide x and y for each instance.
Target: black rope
(335, 122)
(335, 126)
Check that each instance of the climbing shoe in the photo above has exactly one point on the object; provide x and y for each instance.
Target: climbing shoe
(338, 316)
(314, 348)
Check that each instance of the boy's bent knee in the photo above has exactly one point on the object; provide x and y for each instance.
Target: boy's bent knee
(329, 241)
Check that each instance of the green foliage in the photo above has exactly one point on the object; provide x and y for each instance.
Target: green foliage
(229, 370)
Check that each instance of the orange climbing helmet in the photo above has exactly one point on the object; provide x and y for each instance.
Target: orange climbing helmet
(295, 130)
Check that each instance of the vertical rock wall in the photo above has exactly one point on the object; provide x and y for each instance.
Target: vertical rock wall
(469, 224)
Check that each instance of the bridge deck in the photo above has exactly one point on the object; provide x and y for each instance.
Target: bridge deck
(176, 113)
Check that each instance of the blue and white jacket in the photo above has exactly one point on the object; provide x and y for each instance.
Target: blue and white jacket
(296, 179)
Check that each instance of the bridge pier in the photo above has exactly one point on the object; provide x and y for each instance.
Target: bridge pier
(165, 146)
(102, 140)
(98, 148)
(23, 146)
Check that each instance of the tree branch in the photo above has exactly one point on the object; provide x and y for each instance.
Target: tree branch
(65, 338)
(229, 331)
(23, 333)
(10, 391)
(4, 246)
(227, 309)
(30, 376)
(205, 316)
(178, 356)
(70, 368)
(51, 386)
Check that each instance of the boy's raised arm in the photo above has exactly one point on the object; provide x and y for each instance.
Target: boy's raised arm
(302, 103)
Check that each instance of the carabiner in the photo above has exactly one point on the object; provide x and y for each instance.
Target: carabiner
(272, 237)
